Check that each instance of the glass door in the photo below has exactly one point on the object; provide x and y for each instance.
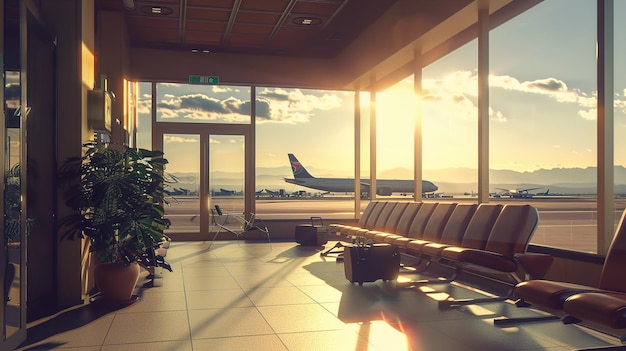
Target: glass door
(182, 152)
(204, 170)
(226, 179)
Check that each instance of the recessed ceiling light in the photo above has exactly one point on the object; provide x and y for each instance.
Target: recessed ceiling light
(194, 50)
(157, 10)
(306, 21)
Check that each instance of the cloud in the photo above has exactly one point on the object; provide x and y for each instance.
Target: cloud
(294, 105)
(272, 105)
(177, 139)
(203, 108)
(460, 88)
(556, 90)
(549, 84)
(201, 103)
(454, 95)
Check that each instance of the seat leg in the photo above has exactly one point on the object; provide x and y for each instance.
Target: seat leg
(445, 304)
(507, 321)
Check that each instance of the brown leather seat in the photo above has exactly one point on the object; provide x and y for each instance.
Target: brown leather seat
(553, 294)
(380, 222)
(452, 233)
(404, 223)
(368, 217)
(434, 228)
(605, 308)
(415, 230)
(336, 227)
(391, 223)
(475, 233)
(509, 236)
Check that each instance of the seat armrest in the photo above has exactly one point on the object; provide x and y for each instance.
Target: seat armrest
(535, 265)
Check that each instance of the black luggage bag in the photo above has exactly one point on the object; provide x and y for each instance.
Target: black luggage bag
(314, 234)
(368, 263)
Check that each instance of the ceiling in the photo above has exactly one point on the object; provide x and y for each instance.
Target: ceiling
(300, 28)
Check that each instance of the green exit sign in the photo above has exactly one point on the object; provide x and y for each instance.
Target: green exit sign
(211, 80)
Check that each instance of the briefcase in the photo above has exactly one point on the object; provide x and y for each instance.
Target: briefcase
(368, 263)
(313, 234)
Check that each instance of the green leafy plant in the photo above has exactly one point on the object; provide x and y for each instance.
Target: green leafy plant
(117, 194)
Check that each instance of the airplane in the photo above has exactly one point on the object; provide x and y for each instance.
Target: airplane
(268, 193)
(385, 187)
(224, 192)
(518, 193)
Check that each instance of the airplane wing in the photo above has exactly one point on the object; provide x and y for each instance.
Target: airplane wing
(529, 189)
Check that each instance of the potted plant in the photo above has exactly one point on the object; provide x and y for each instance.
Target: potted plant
(117, 196)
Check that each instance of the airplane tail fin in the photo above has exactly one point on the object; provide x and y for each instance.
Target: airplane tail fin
(297, 168)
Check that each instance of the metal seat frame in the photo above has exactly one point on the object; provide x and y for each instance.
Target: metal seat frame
(244, 224)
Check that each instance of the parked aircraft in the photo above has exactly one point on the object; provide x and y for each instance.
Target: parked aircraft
(224, 192)
(518, 193)
(340, 185)
(269, 193)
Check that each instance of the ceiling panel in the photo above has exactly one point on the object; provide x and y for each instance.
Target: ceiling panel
(273, 27)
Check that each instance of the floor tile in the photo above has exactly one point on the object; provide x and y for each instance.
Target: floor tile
(218, 323)
(148, 326)
(300, 318)
(224, 298)
(236, 295)
(255, 342)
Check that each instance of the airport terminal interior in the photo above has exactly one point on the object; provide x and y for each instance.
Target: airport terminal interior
(481, 142)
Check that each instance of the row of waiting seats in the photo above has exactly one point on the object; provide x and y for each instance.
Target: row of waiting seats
(603, 305)
(488, 237)
(494, 237)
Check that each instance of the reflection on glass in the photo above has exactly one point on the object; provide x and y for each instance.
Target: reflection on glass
(12, 204)
(183, 154)
(226, 175)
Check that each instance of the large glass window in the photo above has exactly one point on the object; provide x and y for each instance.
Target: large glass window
(144, 115)
(543, 140)
(395, 142)
(450, 123)
(317, 128)
(202, 103)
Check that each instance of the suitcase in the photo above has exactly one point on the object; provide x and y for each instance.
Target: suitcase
(368, 263)
(313, 234)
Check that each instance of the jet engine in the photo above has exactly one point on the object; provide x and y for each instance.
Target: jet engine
(383, 191)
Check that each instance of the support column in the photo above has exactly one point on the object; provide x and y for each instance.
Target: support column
(605, 138)
(483, 103)
(372, 139)
(417, 133)
(357, 153)
(73, 22)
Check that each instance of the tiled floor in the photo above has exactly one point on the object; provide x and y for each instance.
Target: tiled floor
(281, 296)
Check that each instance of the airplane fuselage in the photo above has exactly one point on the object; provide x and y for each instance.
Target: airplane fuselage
(341, 185)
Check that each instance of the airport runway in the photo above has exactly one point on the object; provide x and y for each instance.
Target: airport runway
(564, 222)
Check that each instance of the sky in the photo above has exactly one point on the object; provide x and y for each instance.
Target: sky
(542, 107)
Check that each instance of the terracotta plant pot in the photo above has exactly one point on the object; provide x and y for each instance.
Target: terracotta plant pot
(116, 281)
